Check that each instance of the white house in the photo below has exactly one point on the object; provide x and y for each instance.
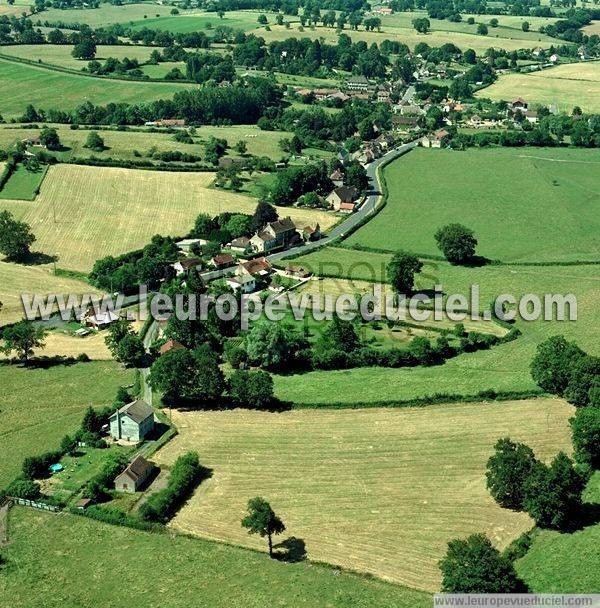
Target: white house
(132, 422)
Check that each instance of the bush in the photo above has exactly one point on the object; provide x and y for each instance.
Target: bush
(585, 430)
(38, 467)
(116, 517)
(24, 488)
(185, 475)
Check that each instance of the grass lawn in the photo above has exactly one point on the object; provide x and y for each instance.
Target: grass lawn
(575, 84)
(523, 204)
(50, 556)
(200, 21)
(565, 563)
(22, 84)
(106, 14)
(16, 279)
(107, 211)
(502, 368)
(60, 55)
(380, 491)
(23, 184)
(39, 406)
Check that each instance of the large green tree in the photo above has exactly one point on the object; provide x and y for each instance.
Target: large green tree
(22, 338)
(551, 366)
(585, 430)
(261, 519)
(507, 469)
(251, 389)
(474, 565)
(401, 271)
(15, 237)
(457, 243)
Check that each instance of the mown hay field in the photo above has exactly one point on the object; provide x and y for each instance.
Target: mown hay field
(16, 279)
(22, 84)
(502, 368)
(125, 144)
(377, 490)
(71, 549)
(39, 406)
(85, 213)
(566, 86)
(195, 21)
(525, 204)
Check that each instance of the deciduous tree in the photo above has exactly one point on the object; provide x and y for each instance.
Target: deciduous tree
(261, 519)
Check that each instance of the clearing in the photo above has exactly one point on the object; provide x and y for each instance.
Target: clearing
(379, 490)
(39, 406)
(85, 213)
(567, 86)
(534, 205)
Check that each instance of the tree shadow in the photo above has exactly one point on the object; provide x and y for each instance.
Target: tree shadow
(37, 258)
(291, 550)
(587, 515)
(477, 261)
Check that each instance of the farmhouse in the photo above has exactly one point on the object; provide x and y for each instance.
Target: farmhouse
(311, 233)
(222, 260)
(297, 272)
(275, 235)
(519, 105)
(358, 83)
(240, 245)
(337, 177)
(185, 245)
(383, 10)
(132, 422)
(341, 195)
(99, 320)
(242, 283)
(184, 266)
(258, 267)
(170, 345)
(435, 140)
(33, 141)
(134, 476)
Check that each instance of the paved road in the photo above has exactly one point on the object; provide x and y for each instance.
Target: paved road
(367, 208)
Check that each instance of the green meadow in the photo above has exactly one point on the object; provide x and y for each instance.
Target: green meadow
(50, 555)
(524, 205)
(40, 406)
(199, 21)
(21, 85)
(105, 14)
(23, 184)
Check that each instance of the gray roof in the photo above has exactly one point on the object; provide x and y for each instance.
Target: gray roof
(137, 468)
(138, 411)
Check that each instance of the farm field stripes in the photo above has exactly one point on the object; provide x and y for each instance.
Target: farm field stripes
(21, 85)
(520, 204)
(379, 490)
(566, 86)
(85, 213)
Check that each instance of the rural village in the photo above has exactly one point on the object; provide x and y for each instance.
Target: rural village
(267, 150)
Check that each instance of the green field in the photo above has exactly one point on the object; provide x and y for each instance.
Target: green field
(124, 144)
(106, 14)
(39, 406)
(502, 368)
(200, 21)
(86, 213)
(566, 86)
(379, 490)
(23, 184)
(59, 561)
(22, 84)
(523, 204)
(60, 55)
(549, 566)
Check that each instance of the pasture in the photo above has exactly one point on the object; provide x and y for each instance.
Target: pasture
(378, 491)
(534, 205)
(130, 144)
(502, 368)
(60, 55)
(73, 549)
(39, 406)
(195, 21)
(85, 213)
(23, 184)
(16, 279)
(21, 85)
(567, 86)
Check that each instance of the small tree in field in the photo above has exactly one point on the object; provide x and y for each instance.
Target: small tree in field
(401, 271)
(15, 237)
(22, 338)
(261, 519)
(94, 142)
(474, 565)
(507, 471)
(86, 49)
(457, 243)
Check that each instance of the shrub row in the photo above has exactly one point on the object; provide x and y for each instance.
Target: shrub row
(116, 517)
(94, 161)
(9, 169)
(186, 474)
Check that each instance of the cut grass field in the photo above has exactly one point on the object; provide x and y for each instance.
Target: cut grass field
(22, 84)
(49, 556)
(502, 368)
(122, 144)
(379, 491)
(23, 184)
(566, 86)
(60, 55)
(195, 21)
(108, 211)
(534, 205)
(16, 279)
(39, 406)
